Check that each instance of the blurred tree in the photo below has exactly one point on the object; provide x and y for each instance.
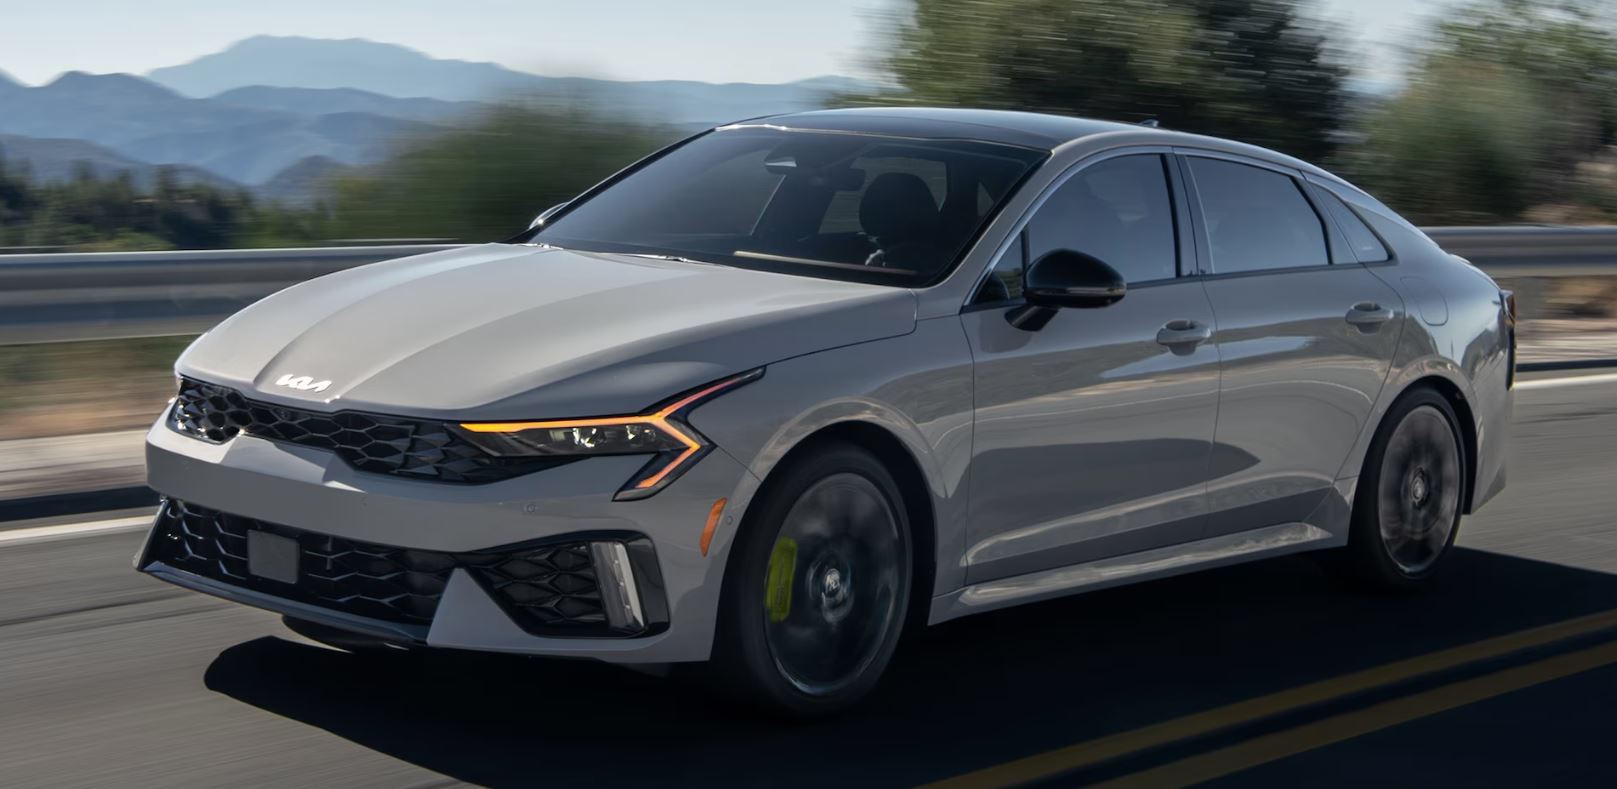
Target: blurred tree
(16, 202)
(480, 183)
(1456, 147)
(90, 212)
(1252, 70)
(1507, 102)
(488, 181)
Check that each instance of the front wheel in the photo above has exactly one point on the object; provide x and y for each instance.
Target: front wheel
(818, 585)
(1406, 513)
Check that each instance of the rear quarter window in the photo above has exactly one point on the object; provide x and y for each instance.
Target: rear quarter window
(1367, 248)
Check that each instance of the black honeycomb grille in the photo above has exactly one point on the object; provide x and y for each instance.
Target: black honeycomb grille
(548, 589)
(421, 449)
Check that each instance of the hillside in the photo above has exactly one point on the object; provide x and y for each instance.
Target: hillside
(56, 161)
(271, 105)
(401, 72)
(144, 121)
(302, 184)
(324, 101)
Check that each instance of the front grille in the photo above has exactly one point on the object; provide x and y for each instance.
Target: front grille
(421, 449)
(548, 589)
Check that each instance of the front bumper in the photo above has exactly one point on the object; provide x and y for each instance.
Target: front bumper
(450, 565)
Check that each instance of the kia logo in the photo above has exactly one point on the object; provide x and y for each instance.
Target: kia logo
(302, 383)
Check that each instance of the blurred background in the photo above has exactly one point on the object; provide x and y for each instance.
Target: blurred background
(195, 127)
(166, 162)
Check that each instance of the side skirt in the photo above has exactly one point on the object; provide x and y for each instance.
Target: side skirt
(1145, 565)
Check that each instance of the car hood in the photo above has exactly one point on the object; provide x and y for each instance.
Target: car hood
(506, 332)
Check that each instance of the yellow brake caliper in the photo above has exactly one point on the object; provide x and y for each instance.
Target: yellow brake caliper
(778, 587)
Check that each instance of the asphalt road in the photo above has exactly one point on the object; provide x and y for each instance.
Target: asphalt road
(110, 678)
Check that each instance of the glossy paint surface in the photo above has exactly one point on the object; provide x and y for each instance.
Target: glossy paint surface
(1298, 386)
(1091, 439)
(1040, 462)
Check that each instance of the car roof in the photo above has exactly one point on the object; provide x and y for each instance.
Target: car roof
(1027, 129)
(1010, 127)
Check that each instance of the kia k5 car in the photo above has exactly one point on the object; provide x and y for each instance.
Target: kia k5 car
(789, 388)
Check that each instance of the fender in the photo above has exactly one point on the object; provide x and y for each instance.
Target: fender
(916, 387)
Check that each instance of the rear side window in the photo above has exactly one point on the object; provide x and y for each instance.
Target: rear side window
(1366, 247)
(1257, 219)
(1119, 211)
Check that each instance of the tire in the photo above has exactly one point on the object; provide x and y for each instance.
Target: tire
(817, 586)
(1406, 512)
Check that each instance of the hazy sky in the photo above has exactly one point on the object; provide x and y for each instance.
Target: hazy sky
(713, 40)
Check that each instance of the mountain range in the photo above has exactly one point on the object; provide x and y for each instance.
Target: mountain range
(271, 105)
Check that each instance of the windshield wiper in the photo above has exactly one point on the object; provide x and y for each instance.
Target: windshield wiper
(744, 253)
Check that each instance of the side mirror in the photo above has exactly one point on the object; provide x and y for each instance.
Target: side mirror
(548, 212)
(1065, 278)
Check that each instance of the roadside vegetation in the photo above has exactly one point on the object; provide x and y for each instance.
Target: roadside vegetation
(73, 388)
(1508, 114)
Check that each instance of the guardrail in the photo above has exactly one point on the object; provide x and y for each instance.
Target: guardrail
(113, 295)
(116, 295)
(1533, 251)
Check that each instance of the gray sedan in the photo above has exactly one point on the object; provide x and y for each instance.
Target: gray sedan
(766, 399)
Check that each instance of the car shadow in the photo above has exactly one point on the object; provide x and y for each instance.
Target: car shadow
(965, 695)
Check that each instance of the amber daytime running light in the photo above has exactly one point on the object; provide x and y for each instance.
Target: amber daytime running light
(661, 432)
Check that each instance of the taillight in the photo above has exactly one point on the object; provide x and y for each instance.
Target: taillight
(1508, 298)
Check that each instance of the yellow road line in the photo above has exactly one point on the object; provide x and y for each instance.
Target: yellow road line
(1262, 750)
(1085, 754)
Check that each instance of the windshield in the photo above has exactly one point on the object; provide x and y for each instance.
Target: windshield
(841, 206)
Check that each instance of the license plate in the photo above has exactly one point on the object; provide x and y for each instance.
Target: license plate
(272, 556)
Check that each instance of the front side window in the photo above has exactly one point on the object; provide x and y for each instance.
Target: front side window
(1118, 210)
(840, 206)
(1256, 218)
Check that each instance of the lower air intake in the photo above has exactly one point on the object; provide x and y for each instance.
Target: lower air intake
(551, 588)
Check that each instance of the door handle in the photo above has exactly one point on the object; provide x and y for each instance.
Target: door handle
(1184, 335)
(1369, 316)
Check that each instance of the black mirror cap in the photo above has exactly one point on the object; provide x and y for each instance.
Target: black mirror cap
(1068, 278)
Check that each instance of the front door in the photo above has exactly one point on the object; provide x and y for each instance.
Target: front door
(1093, 432)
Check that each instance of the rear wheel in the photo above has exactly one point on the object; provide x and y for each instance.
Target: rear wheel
(1406, 513)
(818, 585)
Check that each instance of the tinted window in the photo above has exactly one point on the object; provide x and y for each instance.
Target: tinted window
(1256, 219)
(840, 206)
(1005, 281)
(843, 215)
(1366, 247)
(1117, 210)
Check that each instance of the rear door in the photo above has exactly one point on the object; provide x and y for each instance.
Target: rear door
(1092, 432)
(1306, 337)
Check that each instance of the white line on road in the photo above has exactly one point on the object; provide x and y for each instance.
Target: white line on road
(70, 530)
(1577, 380)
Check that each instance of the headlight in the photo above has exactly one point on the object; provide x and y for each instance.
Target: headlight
(660, 432)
